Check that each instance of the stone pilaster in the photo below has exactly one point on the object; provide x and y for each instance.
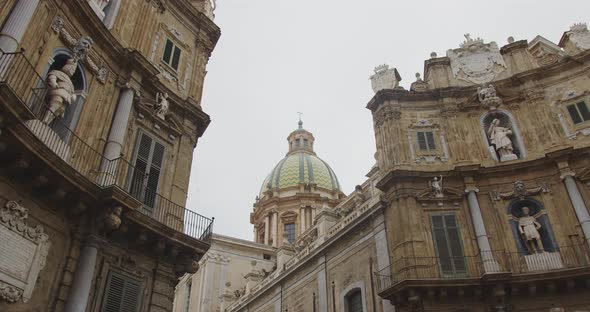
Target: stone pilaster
(16, 25)
(275, 227)
(266, 229)
(163, 291)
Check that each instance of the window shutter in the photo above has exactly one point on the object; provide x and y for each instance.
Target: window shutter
(583, 108)
(167, 51)
(576, 118)
(148, 166)
(175, 58)
(422, 141)
(430, 140)
(122, 294)
(448, 244)
(355, 301)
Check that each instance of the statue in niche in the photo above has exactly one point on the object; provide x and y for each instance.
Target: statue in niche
(60, 93)
(437, 187)
(499, 137)
(529, 229)
(162, 105)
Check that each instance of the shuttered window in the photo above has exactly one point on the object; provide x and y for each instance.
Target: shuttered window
(171, 55)
(149, 157)
(579, 112)
(426, 140)
(290, 231)
(122, 294)
(354, 301)
(448, 244)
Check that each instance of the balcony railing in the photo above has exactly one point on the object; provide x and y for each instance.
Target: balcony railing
(20, 77)
(472, 267)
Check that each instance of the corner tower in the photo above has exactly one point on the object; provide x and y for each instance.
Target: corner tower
(297, 188)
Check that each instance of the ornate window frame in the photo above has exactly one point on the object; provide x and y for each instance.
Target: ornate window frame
(440, 152)
(571, 97)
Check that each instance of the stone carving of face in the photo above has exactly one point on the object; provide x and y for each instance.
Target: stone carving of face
(525, 211)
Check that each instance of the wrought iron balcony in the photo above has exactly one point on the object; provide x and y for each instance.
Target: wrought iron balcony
(471, 269)
(19, 77)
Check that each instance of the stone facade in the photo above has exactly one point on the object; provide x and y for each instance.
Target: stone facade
(499, 129)
(105, 176)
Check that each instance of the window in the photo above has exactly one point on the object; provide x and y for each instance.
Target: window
(290, 231)
(354, 301)
(189, 285)
(447, 242)
(578, 112)
(122, 294)
(305, 142)
(145, 176)
(426, 140)
(266, 256)
(171, 54)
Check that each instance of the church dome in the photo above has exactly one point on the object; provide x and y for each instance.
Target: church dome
(301, 165)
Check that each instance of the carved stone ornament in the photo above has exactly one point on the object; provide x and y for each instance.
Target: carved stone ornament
(476, 61)
(419, 85)
(23, 250)
(488, 97)
(80, 47)
(580, 36)
(385, 78)
(520, 190)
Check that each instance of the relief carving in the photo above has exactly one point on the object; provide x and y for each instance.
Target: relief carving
(23, 251)
(476, 61)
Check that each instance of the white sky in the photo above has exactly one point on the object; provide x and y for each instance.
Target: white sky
(279, 57)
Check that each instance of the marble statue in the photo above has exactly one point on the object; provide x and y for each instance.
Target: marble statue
(529, 229)
(499, 137)
(162, 105)
(60, 93)
(436, 186)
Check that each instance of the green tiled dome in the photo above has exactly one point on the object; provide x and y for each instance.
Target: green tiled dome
(301, 167)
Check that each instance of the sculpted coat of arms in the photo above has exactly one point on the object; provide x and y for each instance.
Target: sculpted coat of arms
(476, 61)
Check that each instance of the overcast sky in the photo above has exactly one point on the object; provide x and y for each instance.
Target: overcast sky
(279, 57)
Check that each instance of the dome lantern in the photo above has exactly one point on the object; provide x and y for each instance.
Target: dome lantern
(300, 140)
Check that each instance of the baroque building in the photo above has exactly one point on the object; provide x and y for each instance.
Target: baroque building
(478, 200)
(100, 110)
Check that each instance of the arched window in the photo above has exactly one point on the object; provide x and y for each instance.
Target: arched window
(502, 136)
(72, 112)
(354, 301)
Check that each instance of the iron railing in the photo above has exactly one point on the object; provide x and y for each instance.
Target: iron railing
(20, 76)
(454, 268)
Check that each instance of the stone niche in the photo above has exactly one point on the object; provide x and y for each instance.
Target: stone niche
(23, 250)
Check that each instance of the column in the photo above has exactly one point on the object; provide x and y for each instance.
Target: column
(302, 219)
(80, 289)
(266, 228)
(489, 264)
(578, 203)
(16, 25)
(322, 286)
(255, 234)
(114, 145)
(275, 227)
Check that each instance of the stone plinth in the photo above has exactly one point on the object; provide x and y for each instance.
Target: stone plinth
(544, 261)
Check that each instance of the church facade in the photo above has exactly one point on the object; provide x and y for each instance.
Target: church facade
(100, 110)
(478, 200)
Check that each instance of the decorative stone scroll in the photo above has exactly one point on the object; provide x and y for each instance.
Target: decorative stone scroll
(23, 250)
(476, 61)
(80, 47)
(520, 190)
